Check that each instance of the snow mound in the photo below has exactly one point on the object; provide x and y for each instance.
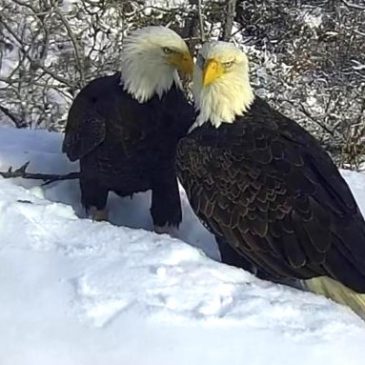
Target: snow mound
(81, 292)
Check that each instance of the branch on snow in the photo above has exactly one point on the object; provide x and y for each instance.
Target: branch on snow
(47, 178)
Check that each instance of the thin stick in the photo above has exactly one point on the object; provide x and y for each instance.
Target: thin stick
(201, 22)
(47, 178)
(230, 14)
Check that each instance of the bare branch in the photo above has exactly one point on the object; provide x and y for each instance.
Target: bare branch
(27, 5)
(353, 6)
(201, 20)
(47, 178)
(310, 116)
(26, 54)
(18, 123)
(78, 56)
(230, 15)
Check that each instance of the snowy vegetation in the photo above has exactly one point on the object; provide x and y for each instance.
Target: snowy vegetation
(307, 56)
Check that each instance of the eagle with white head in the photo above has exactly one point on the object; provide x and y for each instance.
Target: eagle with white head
(271, 195)
(151, 58)
(124, 128)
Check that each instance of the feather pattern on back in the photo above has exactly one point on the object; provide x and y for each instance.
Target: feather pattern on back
(266, 187)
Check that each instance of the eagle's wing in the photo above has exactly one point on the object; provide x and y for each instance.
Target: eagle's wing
(276, 197)
(85, 130)
(101, 106)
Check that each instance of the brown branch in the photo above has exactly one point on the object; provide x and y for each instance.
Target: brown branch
(47, 178)
(230, 15)
(18, 123)
(190, 32)
(201, 21)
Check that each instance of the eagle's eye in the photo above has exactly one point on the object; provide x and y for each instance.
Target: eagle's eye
(167, 50)
(228, 64)
(200, 61)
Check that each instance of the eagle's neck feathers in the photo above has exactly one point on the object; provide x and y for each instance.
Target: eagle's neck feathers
(144, 79)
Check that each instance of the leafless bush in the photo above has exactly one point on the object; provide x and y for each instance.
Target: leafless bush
(307, 57)
(49, 49)
(309, 61)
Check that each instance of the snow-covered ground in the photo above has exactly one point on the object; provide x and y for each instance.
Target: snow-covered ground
(74, 291)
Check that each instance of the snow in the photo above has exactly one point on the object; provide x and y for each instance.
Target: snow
(75, 291)
(313, 20)
(166, 4)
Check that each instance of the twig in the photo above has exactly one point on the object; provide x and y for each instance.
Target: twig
(310, 116)
(240, 29)
(228, 25)
(352, 5)
(47, 178)
(201, 22)
(13, 118)
(30, 59)
(23, 3)
(78, 57)
(361, 113)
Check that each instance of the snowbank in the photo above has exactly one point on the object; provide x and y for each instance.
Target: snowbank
(75, 291)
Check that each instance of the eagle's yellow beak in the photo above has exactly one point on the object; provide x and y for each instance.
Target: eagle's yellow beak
(213, 69)
(183, 62)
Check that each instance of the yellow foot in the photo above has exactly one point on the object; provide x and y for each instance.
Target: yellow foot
(98, 215)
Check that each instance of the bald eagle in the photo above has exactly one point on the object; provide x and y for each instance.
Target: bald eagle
(272, 196)
(124, 128)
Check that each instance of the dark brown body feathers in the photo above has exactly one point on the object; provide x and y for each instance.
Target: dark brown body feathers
(273, 198)
(126, 146)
